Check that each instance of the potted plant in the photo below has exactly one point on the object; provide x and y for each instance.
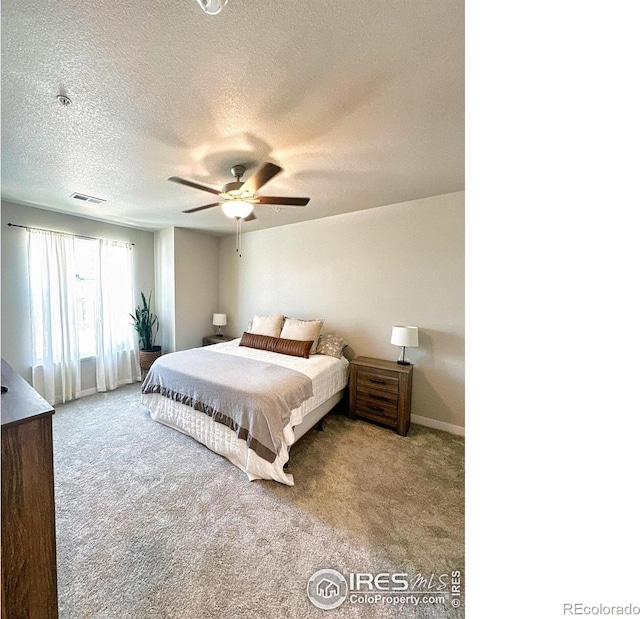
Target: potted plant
(146, 326)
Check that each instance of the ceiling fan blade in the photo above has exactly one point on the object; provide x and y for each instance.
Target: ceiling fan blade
(201, 208)
(188, 183)
(283, 201)
(250, 217)
(263, 175)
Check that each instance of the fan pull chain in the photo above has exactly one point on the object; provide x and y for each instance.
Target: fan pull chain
(239, 236)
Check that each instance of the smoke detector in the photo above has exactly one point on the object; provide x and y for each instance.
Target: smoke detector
(212, 7)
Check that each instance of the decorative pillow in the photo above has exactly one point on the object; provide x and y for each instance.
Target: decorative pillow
(331, 345)
(295, 329)
(294, 348)
(267, 325)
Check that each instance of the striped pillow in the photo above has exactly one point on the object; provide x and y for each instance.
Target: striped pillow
(293, 348)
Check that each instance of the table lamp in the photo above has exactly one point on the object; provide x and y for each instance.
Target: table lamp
(219, 320)
(404, 336)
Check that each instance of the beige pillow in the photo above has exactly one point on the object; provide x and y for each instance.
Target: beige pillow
(294, 329)
(267, 325)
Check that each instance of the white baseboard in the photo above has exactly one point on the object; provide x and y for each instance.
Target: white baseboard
(93, 390)
(437, 425)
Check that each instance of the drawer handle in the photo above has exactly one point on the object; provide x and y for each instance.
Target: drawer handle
(377, 381)
(376, 408)
(379, 397)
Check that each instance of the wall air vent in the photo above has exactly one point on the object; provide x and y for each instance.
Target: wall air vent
(89, 199)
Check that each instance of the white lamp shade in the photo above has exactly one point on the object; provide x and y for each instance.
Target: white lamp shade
(236, 209)
(219, 320)
(404, 336)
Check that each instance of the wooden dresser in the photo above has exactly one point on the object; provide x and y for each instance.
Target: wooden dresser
(380, 390)
(29, 577)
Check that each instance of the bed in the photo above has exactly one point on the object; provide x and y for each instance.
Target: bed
(247, 404)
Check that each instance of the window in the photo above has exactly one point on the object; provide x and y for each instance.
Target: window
(81, 296)
(86, 252)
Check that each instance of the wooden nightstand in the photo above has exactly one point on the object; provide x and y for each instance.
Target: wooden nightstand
(216, 339)
(380, 390)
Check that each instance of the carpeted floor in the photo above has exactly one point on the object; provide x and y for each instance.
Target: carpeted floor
(152, 524)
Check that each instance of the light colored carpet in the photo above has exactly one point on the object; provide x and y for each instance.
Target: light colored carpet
(152, 524)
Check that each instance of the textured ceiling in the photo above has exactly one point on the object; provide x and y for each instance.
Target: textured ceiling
(360, 101)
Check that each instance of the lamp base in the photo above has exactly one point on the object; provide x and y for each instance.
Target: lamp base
(401, 359)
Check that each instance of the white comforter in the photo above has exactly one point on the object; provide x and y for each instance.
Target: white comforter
(328, 375)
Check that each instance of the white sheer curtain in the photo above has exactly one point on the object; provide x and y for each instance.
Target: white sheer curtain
(54, 337)
(76, 308)
(117, 360)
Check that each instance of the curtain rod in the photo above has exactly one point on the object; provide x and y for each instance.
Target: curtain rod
(78, 236)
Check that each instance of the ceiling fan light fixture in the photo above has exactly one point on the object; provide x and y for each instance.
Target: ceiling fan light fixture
(212, 7)
(238, 198)
(237, 209)
(237, 194)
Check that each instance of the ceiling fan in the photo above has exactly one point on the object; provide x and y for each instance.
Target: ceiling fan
(238, 197)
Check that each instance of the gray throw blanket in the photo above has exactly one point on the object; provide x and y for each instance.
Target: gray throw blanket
(253, 398)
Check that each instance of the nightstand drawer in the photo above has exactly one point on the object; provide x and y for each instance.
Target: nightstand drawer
(379, 379)
(377, 410)
(375, 402)
(376, 396)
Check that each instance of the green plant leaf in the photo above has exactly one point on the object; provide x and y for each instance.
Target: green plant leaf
(145, 323)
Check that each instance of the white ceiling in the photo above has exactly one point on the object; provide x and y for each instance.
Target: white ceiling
(360, 101)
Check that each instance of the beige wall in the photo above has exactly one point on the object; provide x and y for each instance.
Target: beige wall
(196, 280)
(165, 297)
(16, 326)
(363, 272)
(187, 285)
